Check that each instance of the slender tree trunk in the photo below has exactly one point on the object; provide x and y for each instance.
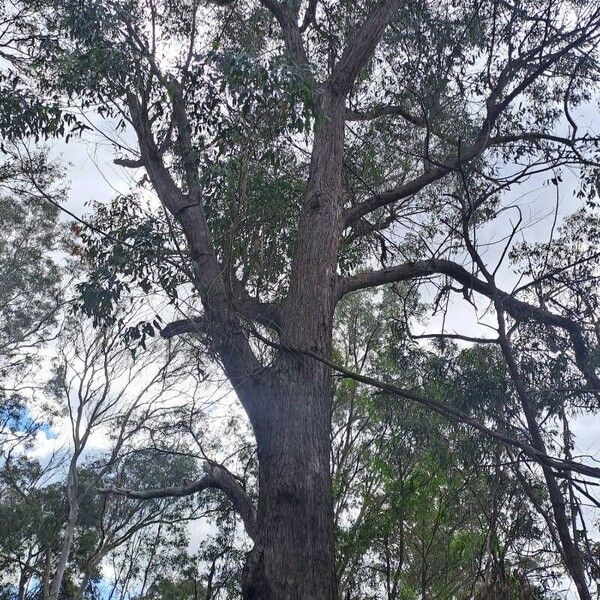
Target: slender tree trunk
(72, 491)
(82, 587)
(46, 576)
(23, 579)
(570, 552)
(87, 577)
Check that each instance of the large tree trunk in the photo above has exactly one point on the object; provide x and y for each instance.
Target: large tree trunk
(570, 551)
(289, 404)
(294, 554)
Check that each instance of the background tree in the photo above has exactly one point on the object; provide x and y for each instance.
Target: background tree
(61, 527)
(30, 279)
(424, 509)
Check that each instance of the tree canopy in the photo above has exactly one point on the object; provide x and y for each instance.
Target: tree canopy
(342, 313)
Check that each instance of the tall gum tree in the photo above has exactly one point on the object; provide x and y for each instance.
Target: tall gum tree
(387, 128)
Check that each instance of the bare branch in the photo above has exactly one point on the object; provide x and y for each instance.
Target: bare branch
(215, 477)
(518, 310)
(183, 326)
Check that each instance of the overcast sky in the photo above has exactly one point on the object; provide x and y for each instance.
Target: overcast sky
(94, 177)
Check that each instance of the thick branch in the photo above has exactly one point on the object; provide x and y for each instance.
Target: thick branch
(129, 163)
(214, 478)
(451, 413)
(231, 344)
(361, 45)
(183, 326)
(518, 310)
(264, 313)
(309, 15)
(292, 33)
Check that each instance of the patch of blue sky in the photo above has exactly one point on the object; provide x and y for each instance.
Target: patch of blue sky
(22, 420)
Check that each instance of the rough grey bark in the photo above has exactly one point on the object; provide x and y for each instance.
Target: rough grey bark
(294, 556)
(294, 553)
(289, 403)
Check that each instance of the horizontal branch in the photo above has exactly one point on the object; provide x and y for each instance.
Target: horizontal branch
(215, 477)
(518, 310)
(564, 467)
(183, 326)
(130, 163)
(264, 313)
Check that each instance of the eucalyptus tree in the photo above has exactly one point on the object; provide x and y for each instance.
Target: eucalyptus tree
(99, 402)
(30, 277)
(36, 515)
(295, 148)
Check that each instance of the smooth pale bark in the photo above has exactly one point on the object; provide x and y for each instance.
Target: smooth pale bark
(67, 543)
(46, 576)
